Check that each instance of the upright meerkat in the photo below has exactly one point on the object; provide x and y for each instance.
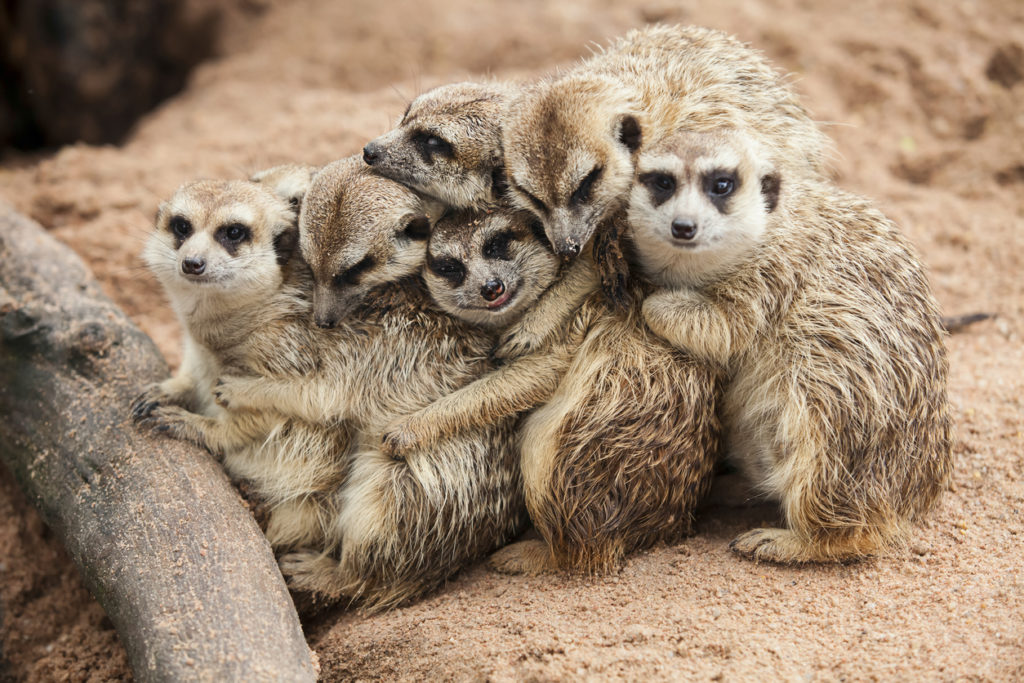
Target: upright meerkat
(448, 144)
(570, 142)
(223, 252)
(621, 446)
(822, 316)
(401, 527)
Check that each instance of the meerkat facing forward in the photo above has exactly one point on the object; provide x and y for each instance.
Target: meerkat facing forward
(621, 445)
(223, 252)
(822, 316)
(401, 527)
(448, 144)
(570, 142)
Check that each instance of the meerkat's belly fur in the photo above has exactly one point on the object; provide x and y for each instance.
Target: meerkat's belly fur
(620, 456)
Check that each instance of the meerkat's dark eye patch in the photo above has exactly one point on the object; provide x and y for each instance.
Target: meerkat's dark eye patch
(582, 193)
(447, 267)
(230, 236)
(537, 204)
(496, 247)
(771, 185)
(661, 186)
(350, 276)
(430, 146)
(719, 185)
(418, 228)
(180, 227)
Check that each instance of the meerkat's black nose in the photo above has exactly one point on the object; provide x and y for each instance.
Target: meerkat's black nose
(193, 266)
(683, 230)
(325, 323)
(371, 153)
(492, 289)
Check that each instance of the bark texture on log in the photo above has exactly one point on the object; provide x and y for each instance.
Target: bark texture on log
(161, 538)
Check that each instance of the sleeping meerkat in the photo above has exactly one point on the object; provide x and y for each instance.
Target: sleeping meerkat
(448, 144)
(570, 141)
(223, 252)
(822, 317)
(401, 527)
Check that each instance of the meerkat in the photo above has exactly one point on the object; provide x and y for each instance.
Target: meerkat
(400, 526)
(570, 142)
(621, 446)
(488, 268)
(821, 315)
(223, 252)
(447, 144)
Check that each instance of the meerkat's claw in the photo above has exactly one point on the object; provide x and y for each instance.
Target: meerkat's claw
(517, 342)
(780, 546)
(530, 558)
(145, 402)
(397, 442)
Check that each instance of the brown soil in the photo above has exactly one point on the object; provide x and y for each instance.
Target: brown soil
(926, 103)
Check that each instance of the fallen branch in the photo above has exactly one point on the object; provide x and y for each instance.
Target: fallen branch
(158, 534)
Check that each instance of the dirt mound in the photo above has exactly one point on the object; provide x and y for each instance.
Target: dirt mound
(924, 101)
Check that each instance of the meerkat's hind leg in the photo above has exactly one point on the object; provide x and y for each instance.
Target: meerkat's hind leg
(313, 572)
(530, 557)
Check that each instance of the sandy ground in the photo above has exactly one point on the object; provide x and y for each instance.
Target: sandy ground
(926, 104)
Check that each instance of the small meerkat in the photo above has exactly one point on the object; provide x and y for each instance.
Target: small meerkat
(622, 443)
(489, 268)
(223, 252)
(447, 144)
(570, 142)
(821, 315)
(400, 527)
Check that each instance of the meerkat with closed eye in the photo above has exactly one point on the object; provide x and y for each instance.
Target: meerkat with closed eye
(448, 144)
(570, 142)
(821, 315)
(223, 252)
(400, 527)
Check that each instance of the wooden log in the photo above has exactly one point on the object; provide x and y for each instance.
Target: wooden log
(161, 538)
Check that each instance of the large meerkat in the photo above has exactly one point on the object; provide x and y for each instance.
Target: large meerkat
(822, 317)
(448, 144)
(570, 142)
(402, 526)
(621, 444)
(223, 252)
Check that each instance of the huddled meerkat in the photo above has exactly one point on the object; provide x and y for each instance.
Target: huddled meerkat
(448, 144)
(223, 252)
(570, 141)
(401, 526)
(621, 446)
(821, 315)
(489, 268)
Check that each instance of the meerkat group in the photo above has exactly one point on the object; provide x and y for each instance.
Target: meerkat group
(564, 301)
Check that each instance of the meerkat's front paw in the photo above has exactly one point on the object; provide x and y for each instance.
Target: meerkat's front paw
(231, 392)
(401, 438)
(151, 397)
(531, 558)
(174, 421)
(518, 341)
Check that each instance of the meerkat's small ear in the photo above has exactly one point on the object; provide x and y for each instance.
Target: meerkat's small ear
(499, 182)
(285, 243)
(417, 228)
(771, 185)
(629, 132)
(160, 210)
